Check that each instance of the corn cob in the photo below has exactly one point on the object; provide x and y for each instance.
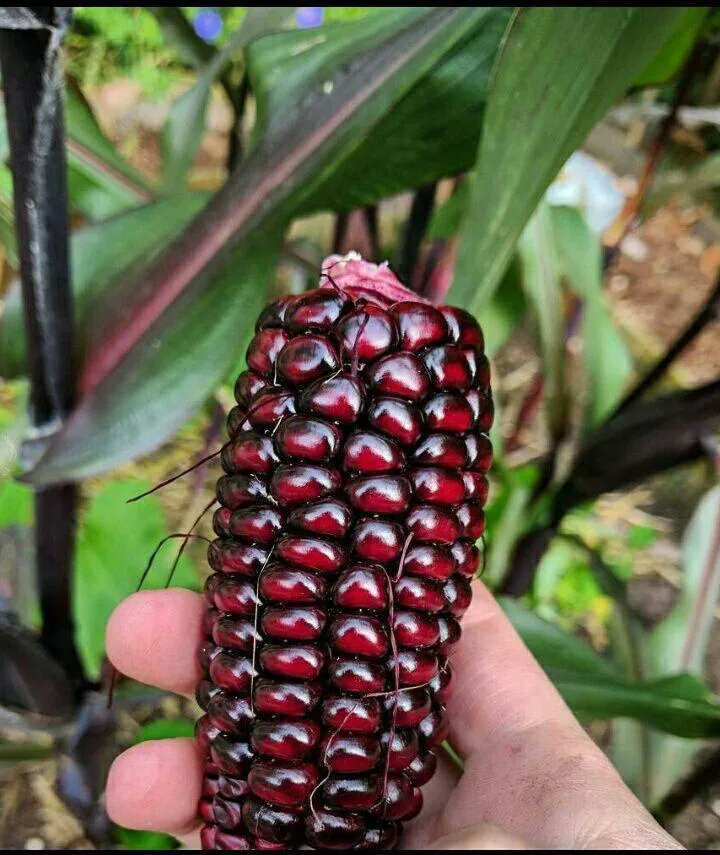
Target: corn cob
(346, 540)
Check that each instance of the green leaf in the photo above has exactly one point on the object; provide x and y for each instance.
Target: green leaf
(607, 359)
(559, 70)
(185, 126)
(542, 282)
(100, 253)
(145, 841)
(593, 690)
(672, 55)
(432, 131)
(448, 217)
(158, 355)
(505, 311)
(16, 504)
(511, 522)
(165, 728)
(115, 542)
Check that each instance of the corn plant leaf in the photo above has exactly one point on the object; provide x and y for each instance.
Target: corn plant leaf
(679, 705)
(559, 70)
(606, 356)
(115, 542)
(185, 125)
(155, 358)
(670, 58)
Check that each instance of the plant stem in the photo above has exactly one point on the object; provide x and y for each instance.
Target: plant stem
(415, 228)
(709, 312)
(32, 78)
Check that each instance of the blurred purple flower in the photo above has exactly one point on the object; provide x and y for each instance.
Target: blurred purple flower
(208, 25)
(309, 16)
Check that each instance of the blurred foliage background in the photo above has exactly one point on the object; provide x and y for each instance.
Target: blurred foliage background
(604, 511)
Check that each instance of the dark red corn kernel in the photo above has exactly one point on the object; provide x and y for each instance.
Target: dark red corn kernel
(467, 558)
(247, 386)
(368, 453)
(448, 368)
(464, 329)
(208, 651)
(259, 843)
(433, 524)
(472, 520)
(285, 740)
(221, 522)
(487, 414)
(306, 438)
(420, 325)
(479, 452)
(414, 667)
(400, 799)
(307, 358)
(294, 484)
(471, 360)
(327, 830)
(449, 632)
(367, 333)
(433, 729)
(208, 834)
(236, 421)
(483, 374)
(352, 792)
(311, 552)
(409, 707)
(274, 314)
(235, 633)
(422, 768)
(354, 715)
(397, 418)
(211, 769)
(358, 635)
(232, 842)
(206, 732)
(421, 594)
(429, 561)
(231, 672)
(272, 823)
(230, 713)
(236, 596)
(233, 788)
(440, 449)
(340, 399)
(380, 838)
(319, 310)
(227, 814)
(438, 486)
(361, 588)
(403, 750)
(293, 624)
(449, 411)
(378, 541)
(399, 374)
(458, 595)
(356, 678)
(350, 753)
(297, 662)
(281, 584)
(283, 783)
(441, 686)
(211, 585)
(328, 518)
(239, 491)
(204, 693)
(476, 486)
(209, 620)
(256, 524)
(249, 452)
(294, 700)
(232, 757)
(415, 629)
(241, 559)
(381, 494)
(205, 810)
(269, 406)
(263, 350)
(210, 787)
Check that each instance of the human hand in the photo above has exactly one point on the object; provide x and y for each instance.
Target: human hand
(533, 778)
